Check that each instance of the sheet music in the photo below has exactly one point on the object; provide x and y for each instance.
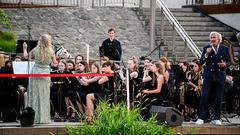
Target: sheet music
(22, 67)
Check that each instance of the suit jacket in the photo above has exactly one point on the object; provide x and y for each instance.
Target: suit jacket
(212, 72)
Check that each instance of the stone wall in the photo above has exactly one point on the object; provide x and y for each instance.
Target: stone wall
(75, 27)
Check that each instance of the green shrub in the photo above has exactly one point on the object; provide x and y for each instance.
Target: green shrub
(9, 36)
(117, 120)
(4, 19)
(7, 41)
(8, 46)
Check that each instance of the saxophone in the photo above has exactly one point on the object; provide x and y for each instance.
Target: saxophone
(228, 43)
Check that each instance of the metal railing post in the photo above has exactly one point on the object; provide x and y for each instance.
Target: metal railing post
(140, 3)
(152, 24)
(105, 3)
(185, 47)
(92, 3)
(162, 24)
(123, 3)
(173, 43)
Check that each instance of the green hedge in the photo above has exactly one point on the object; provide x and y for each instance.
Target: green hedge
(8, 41)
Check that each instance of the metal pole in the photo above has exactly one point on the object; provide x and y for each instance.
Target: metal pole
(173, 42)
(128, 96)
(152, 24)
(162, 26)
(185, 47)
(92, 3)
(140, 3)
(123, 3)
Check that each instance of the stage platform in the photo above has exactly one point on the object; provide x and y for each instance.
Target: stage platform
(58, 128)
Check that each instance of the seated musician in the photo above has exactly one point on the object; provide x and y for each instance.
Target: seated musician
(78, 59)
(133, 77)
(83, 87)
(181, 83)
(107, 83)
(155, 94)
(91, 82)
(69, 91)
(8, 89)
(193, 92)
(164, 62)
(56, 90)
(141, 69)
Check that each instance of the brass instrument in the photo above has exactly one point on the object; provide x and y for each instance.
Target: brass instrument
(226, 42)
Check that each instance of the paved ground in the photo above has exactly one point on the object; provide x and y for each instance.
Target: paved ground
(232, 122)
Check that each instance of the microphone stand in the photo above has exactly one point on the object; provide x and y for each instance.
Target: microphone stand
(157, 47)
(29, 38)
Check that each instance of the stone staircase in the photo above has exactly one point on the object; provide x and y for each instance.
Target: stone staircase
(196, 25)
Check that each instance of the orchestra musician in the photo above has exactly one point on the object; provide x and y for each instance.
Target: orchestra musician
(107, 83)
(56, 94)
(155, 94)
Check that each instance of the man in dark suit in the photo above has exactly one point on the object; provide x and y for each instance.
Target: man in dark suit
(216, 58)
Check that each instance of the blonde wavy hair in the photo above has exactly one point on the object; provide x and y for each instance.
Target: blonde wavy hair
(44, 44)
(135, 61)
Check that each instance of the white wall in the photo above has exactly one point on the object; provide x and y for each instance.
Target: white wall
(229, 19)
(169, 3)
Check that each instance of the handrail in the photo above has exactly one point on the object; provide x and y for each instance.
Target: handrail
(191, 45)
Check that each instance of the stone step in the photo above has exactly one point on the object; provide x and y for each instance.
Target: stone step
(196, 25)
(192, 33)
(176, 14)
(188, 28)
(194, 38)
(180, 19)
(188, 10)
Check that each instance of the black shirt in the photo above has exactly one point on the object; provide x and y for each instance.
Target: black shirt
(111, 49)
